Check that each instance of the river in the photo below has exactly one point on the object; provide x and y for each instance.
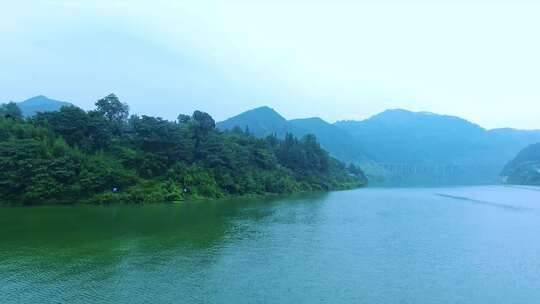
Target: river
(375, 245)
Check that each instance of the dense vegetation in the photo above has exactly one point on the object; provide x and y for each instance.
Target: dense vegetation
(264, 121)
(525, 167)
(105, 155)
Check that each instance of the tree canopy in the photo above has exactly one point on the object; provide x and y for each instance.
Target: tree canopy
(74, 155)
(10, 110)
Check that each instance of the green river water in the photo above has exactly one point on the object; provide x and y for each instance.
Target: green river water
(375, 245)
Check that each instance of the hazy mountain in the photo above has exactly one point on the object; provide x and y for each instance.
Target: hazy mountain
(339, 143)
(265, 121)
(515, 136)
(261, 122)
(409, 137)
(525, 167)
(401, 146)
(40, 103)
(422, 147)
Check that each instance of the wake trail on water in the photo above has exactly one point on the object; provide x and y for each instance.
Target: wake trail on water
(481, 202)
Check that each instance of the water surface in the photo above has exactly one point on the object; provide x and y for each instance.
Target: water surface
(380, 245)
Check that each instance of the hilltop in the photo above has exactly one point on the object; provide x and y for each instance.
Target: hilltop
(40, 103)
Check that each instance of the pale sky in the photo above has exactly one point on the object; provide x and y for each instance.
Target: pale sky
(334, 59)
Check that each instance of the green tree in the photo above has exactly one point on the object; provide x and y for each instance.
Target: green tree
(203, 121)
(183, 118)
(10, 110)
(114, 111)
(158, 136)
(87, 130)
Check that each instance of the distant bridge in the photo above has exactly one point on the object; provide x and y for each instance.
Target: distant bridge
(401, 172)
(403, 169)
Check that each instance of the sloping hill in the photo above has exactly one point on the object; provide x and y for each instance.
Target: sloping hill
(402, 136)
(262, 121)
(340, 144)
(40, 103)
(524, 168)
(265, 121)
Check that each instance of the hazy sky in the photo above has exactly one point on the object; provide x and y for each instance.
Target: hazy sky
(335, 59)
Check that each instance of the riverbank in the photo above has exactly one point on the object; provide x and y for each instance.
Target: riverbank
(151, 196)
(157, 195)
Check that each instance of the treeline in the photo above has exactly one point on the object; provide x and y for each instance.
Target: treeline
(105, 155)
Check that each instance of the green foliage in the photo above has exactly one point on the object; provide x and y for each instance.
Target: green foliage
(203, 121)
(10, 110)
(114, 111)
(77, 156)
(194, 181)
(37, 167)
(168, 140)
(183, 118)
(86, 130)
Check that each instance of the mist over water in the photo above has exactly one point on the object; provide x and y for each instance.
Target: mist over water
(378, 245)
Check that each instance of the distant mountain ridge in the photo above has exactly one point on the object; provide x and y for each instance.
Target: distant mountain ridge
(402, 136)
(40, 103)
(454, 149)
(264, 121)
(396, 144)
(261, 122)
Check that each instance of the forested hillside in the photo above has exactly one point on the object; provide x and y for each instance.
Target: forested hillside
(524, 169)
(105, 155)
(403, 147)
(264, 121)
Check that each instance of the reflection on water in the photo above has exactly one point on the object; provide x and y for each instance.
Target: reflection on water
(91, 246)
(380, 245)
